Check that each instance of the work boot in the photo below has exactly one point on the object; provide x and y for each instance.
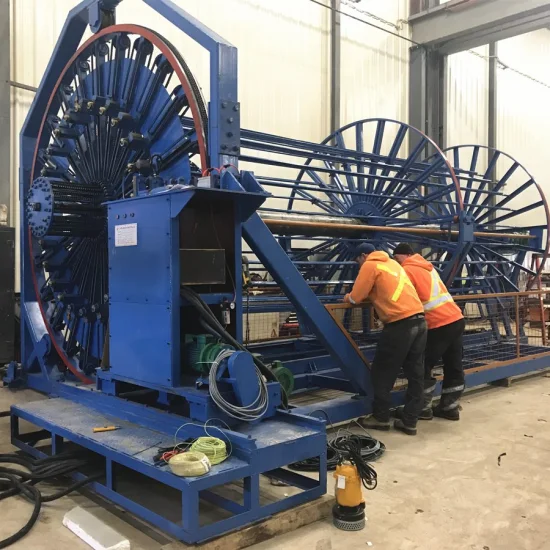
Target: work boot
(402, 427)
(448, 414)
(372, 423)
(425, 414)
(449, 404)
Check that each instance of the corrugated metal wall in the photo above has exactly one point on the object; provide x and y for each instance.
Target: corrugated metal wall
(523, 112)
(467, 92)
(375, 64)
(523, 105)
(467, 81)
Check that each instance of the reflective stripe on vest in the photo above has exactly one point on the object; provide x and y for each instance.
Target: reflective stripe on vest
(403, 280)
(437, 298)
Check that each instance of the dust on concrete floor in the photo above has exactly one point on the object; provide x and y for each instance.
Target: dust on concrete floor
(440, 490)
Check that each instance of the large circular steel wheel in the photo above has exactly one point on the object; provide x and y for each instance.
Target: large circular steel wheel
(115, 112)
(501, 197)
(373, 172)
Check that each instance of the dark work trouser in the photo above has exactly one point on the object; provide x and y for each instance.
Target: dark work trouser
(445, 343)
(401, 344)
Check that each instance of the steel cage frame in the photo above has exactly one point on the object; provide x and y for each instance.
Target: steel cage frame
(40, 372)
(223, 88)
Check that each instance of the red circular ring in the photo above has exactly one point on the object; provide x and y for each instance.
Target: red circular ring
(167, 52)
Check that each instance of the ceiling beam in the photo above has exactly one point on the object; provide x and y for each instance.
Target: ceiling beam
(464, 24)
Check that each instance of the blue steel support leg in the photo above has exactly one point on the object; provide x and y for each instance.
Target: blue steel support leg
(280, 266)
(189, 509)
(57, 444)
(251, 492)
(110, 478)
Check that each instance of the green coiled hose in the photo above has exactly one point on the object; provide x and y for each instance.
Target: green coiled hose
(213, 447)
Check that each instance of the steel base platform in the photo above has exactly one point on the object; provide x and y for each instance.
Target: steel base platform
(176, 504)
(340, 406)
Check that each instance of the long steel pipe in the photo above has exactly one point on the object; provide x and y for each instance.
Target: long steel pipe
(289, 224)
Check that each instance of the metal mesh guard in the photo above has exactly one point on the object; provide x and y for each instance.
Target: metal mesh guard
(349, 525)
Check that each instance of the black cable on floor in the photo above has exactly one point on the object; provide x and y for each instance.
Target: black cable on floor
(16, 481)
(368, 448)
(31, 493)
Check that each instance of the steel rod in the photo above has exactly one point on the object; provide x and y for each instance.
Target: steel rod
(296, 184)
(542, 315)
(464, 297)
(290, 225)
(22, 86)
(517, 326)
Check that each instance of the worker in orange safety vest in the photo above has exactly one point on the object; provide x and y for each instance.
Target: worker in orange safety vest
(445, 331)
(383, 282)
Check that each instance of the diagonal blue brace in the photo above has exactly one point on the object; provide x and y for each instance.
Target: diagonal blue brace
(267, 249)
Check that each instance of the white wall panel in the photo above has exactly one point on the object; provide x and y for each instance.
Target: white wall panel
(523, 105)
(375, 64)
(283, 56)
(467, 97)
(523, 113)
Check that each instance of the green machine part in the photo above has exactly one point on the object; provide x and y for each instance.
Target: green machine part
(284, 376)
(199, 352)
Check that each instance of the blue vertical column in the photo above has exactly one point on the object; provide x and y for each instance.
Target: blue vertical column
(251, 496)
(189, 509)
(224, 109)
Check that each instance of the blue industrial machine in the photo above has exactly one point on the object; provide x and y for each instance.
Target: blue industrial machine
(135, 218)
(131, 276)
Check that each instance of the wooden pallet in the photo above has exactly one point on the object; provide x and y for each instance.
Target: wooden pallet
(279, 524)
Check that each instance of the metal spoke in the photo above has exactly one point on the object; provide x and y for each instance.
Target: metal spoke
(85, 165)
(495, 203)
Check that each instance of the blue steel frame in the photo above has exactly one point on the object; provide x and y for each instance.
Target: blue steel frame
(223, 91)
(257, 449)
(223, 83)
(360, 179)
(346, 369)
(344, 408)
(372, 179)
(261, 449)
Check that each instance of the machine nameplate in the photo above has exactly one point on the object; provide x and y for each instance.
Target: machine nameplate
(126, 234)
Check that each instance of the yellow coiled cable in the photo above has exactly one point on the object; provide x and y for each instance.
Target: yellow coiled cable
(213, 447)
(190, 464)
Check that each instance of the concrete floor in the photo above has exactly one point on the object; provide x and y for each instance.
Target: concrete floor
(441, 490)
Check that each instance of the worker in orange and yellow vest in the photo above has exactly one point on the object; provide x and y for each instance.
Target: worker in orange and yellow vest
(445, 330)
(383, 282)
